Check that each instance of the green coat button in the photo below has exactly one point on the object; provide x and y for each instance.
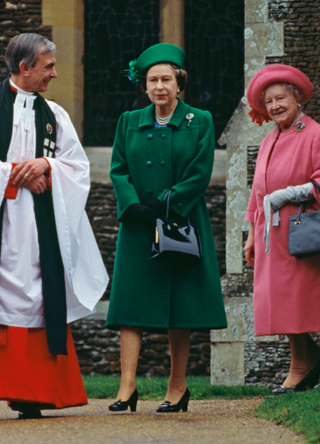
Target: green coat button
(149, 163)
(149, 136)
(179, 205)
(162, 163)
(163, 136)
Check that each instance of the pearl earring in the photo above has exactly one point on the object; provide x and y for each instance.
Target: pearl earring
(299, 105)
(178, 90)
(146, 92)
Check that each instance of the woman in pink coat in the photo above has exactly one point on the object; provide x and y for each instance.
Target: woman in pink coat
(286, 288)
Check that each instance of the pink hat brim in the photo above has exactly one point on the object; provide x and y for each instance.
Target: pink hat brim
(272, 74)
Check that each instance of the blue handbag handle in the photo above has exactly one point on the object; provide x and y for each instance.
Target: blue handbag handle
(316, 186)
(301, 209)
(302, 206)
(167, 198)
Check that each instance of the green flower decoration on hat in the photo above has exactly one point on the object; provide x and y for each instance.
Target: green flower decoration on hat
(134, 74)
(159, 53)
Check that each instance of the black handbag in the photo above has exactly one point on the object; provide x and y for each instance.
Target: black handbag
(171, 242)
(304, 231)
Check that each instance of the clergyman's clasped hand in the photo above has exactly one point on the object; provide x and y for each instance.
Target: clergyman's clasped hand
(30, 174)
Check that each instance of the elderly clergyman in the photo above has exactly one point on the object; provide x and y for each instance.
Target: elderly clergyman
(51, 271)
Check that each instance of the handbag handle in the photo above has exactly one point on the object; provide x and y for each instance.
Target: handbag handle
(316, 186)
(167, 198)
(302, 206)
(301, 210)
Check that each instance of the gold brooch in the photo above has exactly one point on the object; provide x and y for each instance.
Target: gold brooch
(298, 127)
(49, 128)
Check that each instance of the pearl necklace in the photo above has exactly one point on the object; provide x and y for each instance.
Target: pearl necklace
(165, 120)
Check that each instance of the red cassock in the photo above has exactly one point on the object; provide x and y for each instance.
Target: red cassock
(286, 289)
(29, 373)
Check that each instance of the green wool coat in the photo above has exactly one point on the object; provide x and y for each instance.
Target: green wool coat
(146, 163)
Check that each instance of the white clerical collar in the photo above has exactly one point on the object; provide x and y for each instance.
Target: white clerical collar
(24, 100)
(19, 90)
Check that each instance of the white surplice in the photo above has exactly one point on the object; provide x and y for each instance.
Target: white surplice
(21, 300)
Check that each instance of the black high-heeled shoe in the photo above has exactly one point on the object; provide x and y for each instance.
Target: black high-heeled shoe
(282, 389)
(167, 407)
(310, 380)
(120, 406)
(307, 383)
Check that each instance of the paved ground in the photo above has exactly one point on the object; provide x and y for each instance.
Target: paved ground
(206, 422)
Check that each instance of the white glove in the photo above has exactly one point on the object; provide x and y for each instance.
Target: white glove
(298, 193)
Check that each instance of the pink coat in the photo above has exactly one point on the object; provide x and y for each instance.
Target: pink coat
(286, 289)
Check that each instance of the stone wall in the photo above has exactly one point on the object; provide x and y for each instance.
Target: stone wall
(98, 350)
(266, 363)
(17, 17)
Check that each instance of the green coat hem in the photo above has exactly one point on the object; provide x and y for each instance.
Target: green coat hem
(165, 328)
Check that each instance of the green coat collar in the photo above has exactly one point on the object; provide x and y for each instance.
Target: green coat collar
(147, 115)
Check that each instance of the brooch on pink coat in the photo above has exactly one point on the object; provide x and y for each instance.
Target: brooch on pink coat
(298, 127)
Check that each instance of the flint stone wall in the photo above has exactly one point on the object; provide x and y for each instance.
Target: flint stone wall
(17, 17)
(98, 350)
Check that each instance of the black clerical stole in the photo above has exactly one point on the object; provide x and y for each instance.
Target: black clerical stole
(52, 271)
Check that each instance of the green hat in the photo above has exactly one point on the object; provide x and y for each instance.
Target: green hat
(160, 53)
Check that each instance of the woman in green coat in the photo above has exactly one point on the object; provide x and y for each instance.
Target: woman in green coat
(166, 146)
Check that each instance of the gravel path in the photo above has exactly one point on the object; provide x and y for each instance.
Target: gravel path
(213, 421)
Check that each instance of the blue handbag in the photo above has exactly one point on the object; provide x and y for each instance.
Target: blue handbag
(304, 231)
(173, 242)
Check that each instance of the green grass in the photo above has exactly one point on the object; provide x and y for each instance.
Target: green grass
(298, 411)
(102, 387)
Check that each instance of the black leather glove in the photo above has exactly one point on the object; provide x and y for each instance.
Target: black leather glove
(158, 206)
(138, 214)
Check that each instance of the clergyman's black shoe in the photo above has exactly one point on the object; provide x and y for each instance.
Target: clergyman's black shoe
(30, 413)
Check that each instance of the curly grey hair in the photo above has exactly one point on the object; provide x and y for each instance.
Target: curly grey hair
(294, 90)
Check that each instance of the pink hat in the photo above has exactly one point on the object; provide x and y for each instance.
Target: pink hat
(273, 74)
